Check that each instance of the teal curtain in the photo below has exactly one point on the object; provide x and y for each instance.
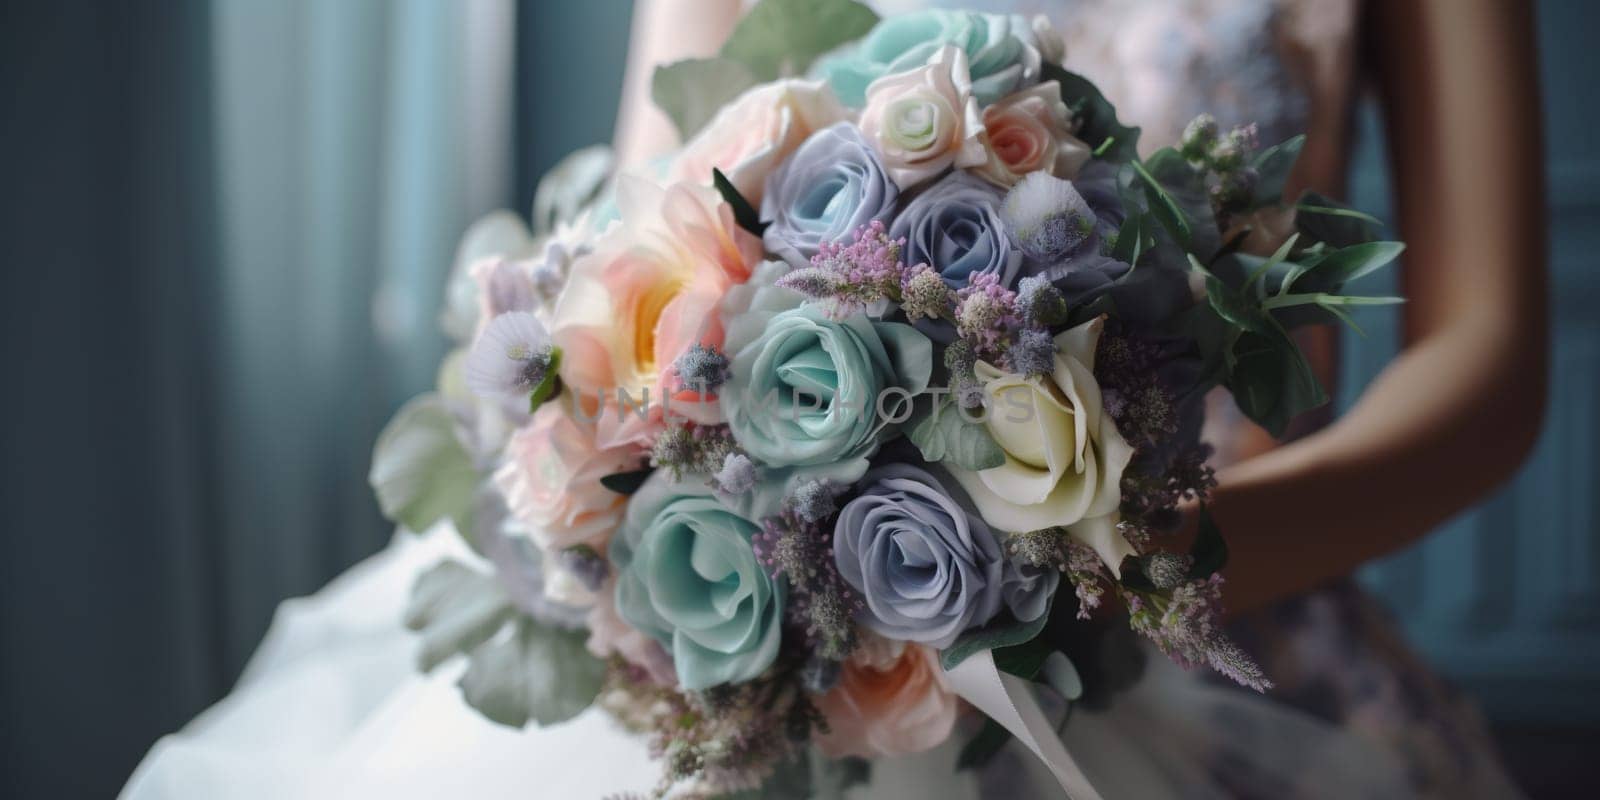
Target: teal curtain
(355, 140)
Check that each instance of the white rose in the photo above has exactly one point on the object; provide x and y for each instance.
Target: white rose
(1064, 456)
(924, 120)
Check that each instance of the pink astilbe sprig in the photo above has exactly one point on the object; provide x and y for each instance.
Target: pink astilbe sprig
(855, 276)
(986, 315)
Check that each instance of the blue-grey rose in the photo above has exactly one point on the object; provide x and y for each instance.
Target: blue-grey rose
(1027, 589)
(927, 567)
(955, 227)
(808, 389)
(831, 185)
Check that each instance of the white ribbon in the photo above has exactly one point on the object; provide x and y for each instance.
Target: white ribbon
(1009, 701)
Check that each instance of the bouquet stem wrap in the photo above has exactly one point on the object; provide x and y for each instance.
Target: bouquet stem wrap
(1009, 701)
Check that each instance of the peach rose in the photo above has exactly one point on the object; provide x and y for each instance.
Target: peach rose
(891, 700)
(924, 120)
(551, 480)
(751, 136)
(648, 293)
(1031, 131)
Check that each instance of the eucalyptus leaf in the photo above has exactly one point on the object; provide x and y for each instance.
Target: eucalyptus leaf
(1098, 124)
(570, 185)
(778, 38)
(420, 472)
(944, 434)
(692, 91)
(1061, 675)
(1002, 631)
(455, 608)
(1272, 167)
(532, 672)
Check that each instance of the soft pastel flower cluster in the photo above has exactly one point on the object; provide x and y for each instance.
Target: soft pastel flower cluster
(780, 464)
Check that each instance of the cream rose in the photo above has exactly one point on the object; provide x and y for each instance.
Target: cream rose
(751, 136)
(1031, 131)
(1064, 456)
(924, 120)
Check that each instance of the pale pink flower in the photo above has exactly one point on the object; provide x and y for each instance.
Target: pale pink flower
(551, 480)
(1031, 131)
(924, 120)
(751, 136)
(611, 635)
(891, 700)
(648, 293)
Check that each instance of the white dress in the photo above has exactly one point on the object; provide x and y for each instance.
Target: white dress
(331, 706)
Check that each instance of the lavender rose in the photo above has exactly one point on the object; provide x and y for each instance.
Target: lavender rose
(955, 227)
(928, 568)
(832, 185)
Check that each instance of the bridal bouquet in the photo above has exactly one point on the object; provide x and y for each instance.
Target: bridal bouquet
(846, 417)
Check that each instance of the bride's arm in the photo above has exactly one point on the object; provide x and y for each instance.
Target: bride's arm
(1460, 408)
(663, 31)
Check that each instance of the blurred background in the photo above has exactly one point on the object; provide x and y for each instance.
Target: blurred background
(226, 231)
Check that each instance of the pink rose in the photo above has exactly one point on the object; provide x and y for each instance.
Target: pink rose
(891, 700)
(924, 120)
(551, 480)
(1031, 131)
(751, 136)
(648, 293)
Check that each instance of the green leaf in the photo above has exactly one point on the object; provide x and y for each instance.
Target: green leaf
(743, 213)
(420, 472)
(1178, 198)
(455, 608)
(1273, 166)
(1209, 551)
(1271, 380)
(1099, 127)
(944, 434)
(692, 91)
(1324, 219)
(1002, 631)
(983, 746)
(532, 673)
(1356, 261)
(778, 38)
(626, 482)
(571, 184)
(1133, 239)
(1132, 575)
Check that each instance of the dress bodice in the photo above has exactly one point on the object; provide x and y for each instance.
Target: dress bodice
(1161, 62)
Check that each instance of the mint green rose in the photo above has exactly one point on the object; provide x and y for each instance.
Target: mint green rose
(807, 389)
(1003, 52)
(686, 575)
